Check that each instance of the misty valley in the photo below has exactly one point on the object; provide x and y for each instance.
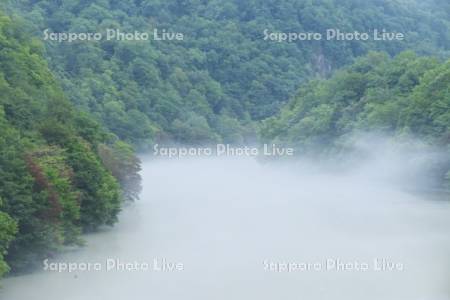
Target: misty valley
(191, 234)
(224, 149)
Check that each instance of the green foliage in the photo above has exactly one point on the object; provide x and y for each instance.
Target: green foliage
(428, 112)
(405, 95)
(53, 177)
(63, 171)
(224, 69)
(53, 184)
(8, 229)
(120, 160)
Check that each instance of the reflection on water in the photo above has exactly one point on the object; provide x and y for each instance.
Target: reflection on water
(236, 229)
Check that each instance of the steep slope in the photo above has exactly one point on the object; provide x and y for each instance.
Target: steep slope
(224, 75)
(53, 182)
(400, 97)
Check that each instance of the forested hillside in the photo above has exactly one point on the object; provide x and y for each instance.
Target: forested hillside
(408, 96)
(224, 75)
(70, 111)
(56, 163)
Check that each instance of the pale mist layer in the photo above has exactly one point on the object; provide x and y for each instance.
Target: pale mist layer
(248, 230)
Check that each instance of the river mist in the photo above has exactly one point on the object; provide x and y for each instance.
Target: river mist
(235, 228)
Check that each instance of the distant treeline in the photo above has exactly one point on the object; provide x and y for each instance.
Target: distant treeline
(408, 96)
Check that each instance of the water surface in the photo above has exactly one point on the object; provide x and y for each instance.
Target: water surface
(232, 222)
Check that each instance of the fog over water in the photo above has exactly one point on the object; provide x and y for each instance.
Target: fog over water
(233, 222)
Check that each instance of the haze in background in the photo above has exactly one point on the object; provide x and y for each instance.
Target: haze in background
(223, 217)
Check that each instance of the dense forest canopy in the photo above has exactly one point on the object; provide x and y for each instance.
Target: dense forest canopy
(69, 112)
(223, 76)
(408, 96)
(54, 180)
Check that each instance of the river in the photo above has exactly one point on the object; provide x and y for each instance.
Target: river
(238, 229)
